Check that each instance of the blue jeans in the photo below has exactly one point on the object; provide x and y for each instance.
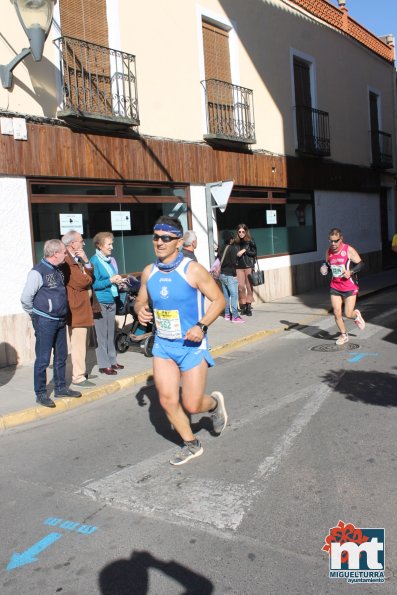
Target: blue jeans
(230, 291)
(50, 335)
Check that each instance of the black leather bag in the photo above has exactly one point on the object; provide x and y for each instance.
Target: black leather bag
(256, 277)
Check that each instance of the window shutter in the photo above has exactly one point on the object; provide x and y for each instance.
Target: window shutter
(216, 53)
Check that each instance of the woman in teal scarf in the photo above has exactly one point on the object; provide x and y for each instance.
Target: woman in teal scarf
(106, 285)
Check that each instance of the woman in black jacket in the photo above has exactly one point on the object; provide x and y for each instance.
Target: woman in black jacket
(245, 263)
(227, 254)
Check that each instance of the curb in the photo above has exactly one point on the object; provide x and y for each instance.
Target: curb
(38, 413)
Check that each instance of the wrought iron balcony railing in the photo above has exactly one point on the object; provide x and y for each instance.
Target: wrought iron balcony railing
(99, 84)
(230, 112)
(312, 127)
(382, 153)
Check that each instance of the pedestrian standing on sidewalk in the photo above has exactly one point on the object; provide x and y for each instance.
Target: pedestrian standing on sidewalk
(227, 254)
(176, 286)
(106, 286)
(246, 255)
(78, 272)
(189, 244)
(343, 262)
(44, 298)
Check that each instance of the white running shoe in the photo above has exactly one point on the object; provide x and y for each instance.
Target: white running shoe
(219, 416)
(344, 338)
(359, 320)
(186, 452)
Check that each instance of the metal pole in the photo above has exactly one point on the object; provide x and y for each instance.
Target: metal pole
(210, 228)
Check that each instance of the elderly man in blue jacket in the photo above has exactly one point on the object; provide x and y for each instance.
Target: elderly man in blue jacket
(44, 298)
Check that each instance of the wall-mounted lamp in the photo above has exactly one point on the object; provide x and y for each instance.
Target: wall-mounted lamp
(35, 17)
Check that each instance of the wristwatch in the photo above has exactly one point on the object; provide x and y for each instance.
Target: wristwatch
(202, 326)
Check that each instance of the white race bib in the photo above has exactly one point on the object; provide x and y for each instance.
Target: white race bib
(168, 324)
(337, 270)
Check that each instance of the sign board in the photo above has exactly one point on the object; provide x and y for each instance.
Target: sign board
(271, 217)
(221, 192)
(20, 130)
(121, 220)
(69, 221)
(6, 126)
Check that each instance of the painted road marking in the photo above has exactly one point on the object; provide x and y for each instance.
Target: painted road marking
(358, 356)
(152, 487)
(30, 555)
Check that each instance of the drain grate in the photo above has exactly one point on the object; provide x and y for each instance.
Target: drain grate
(332, 348)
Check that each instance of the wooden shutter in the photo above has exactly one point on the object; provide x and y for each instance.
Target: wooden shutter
(303, 105)
(218, 80)
(302, 83)
(216, 53)
(89, 70)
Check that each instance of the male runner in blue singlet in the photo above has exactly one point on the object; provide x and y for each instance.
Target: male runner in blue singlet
(176, 286)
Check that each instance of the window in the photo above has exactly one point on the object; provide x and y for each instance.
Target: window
(93, 205)
(280, 222)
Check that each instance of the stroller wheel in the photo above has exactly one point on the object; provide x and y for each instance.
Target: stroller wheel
(148, 346)
(121, 342)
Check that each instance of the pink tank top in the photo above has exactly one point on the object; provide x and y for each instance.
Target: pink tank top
(339, 262)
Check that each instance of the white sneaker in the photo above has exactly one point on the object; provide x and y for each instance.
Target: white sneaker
(344, 338)
(187, 452)
(359, 320)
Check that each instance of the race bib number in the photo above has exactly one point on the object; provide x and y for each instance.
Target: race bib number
(168, 324)
(337, 270)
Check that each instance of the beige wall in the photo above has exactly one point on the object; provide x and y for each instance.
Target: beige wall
(166, 39)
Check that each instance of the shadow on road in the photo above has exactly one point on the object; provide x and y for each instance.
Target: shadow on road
(310, 330)
(148, 395)
(127, 577)
(371, 388)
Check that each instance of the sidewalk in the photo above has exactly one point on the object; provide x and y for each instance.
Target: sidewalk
(17, 399)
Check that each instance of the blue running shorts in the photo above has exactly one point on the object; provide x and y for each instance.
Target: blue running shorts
(186, 357)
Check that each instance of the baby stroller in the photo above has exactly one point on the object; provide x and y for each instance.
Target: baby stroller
(132, 333)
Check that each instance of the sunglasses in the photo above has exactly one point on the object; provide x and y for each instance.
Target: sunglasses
(166, 239)
(241, 231)
(334, 241)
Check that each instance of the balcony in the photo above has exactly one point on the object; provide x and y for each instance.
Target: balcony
(381, 145)
(312, 127)
(99, 86)
(230, 113)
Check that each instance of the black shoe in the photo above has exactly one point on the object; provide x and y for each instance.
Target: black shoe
(67, 392)
(248, 310)
(45, 401)
(243, 309)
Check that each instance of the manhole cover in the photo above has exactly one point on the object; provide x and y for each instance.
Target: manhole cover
(329, 348)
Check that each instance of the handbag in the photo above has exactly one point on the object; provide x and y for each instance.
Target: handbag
(256, 277)
(215, 270)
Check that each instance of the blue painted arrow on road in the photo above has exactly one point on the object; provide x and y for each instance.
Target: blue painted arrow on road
(358, 356)
(29, 555)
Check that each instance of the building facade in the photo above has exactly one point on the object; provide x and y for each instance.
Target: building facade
(139, 109)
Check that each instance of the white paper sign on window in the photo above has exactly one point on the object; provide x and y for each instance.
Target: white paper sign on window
(271, 217)
(121, 220)
(69, 221)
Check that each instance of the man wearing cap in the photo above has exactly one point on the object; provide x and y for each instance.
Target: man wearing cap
(177, 286)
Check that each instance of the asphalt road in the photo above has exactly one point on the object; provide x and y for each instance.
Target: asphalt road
(90, 505)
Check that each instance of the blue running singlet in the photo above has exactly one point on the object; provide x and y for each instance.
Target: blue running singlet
(177, 305)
